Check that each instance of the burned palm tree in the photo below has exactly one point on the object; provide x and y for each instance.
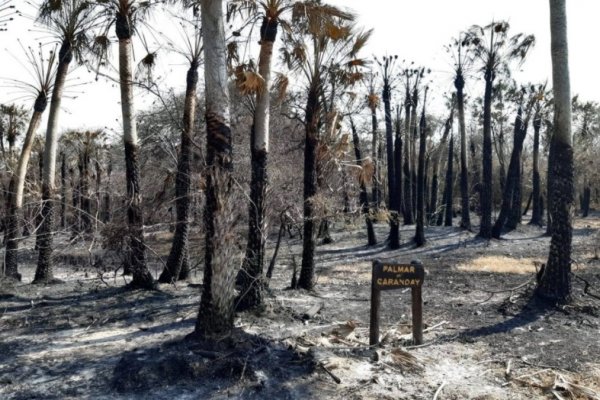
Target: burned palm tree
(554, 283)
(252, 270)
(387, 66)
(126, 16)
(494, 50)
(71, 21)
(322, 37)
(462, 61)
(420, 228)
(44, 72)
(7, 10)
(177, 264)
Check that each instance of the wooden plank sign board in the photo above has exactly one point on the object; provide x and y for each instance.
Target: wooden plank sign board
(389, 276)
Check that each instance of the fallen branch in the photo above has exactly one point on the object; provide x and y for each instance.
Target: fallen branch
(439, 390)
(331, 374)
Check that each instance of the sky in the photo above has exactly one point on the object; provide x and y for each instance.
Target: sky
(414, 30)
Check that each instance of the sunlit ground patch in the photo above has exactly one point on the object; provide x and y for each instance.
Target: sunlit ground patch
(502, 265)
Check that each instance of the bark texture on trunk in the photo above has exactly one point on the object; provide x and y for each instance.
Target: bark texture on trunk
(408, 214)
(44, 239)
(215, 317)
(177, 255)
(449, 189)
(375, 186)
(420, 228)
(398, 170)
(486, 197)
(363, 197)
(394, 236)
(307, 271)
(536, 211)
(555, 280)
(15, 192)
(465, 215)
(509, 197)
(253, 283)
(141, 276)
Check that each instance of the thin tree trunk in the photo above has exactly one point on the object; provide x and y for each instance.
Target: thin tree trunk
(376, 190)
(398, 167)
(44, 271)
(420, 228)
(465, 215)
(179, 246)
(449, 188)
(141, 276)
(555, 281)
(486, 198)
(436, 164)
(394, 236)
(512, 177)
(16, 189)
(408, 214)
(536, 214)
(364, 197)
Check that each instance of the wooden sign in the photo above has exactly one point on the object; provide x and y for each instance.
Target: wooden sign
(388, 276)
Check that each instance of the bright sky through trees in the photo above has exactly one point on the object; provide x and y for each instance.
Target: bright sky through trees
(415, 31)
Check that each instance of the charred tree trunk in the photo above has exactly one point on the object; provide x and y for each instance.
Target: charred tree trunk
(398, 168)
(587, 195)
(376, 190)
(364, 197)
(141, 276)
(486, 198)
(536, 213)
(420, 228)
(512, 181)
(172, 270)
(394, 236)
(307, 271)
(407, 197)
(465, 216)
(449, 188)
(555, 280)
(63, 191)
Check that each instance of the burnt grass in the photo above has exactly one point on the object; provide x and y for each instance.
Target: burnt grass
(90, 337)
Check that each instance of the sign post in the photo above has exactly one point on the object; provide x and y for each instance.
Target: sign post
(388, 276)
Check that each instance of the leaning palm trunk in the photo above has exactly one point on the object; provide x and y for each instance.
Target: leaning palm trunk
(512, 178)
(215, 317)
(141, 276)
(16, 189)
(555, 280)
(175, 262)
(44, 239)
(252, 279)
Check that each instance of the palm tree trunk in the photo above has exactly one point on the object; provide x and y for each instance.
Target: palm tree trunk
(63, 190)
(215, 317)
(252, 279)
(436, 164)
(408, 214)
(392, 198)
(16, 189)
(364, 196)
(307, 271)
(485, 228)
(44, 270)
(376, 190)
(465, 216)
(398, 166)
(171, 272)
(141, 276)
(449, 188)
(512, 177)
(555, 281)
(536, 214)
(420, 229)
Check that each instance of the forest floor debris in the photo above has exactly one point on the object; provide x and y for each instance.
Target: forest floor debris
(485, 337)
